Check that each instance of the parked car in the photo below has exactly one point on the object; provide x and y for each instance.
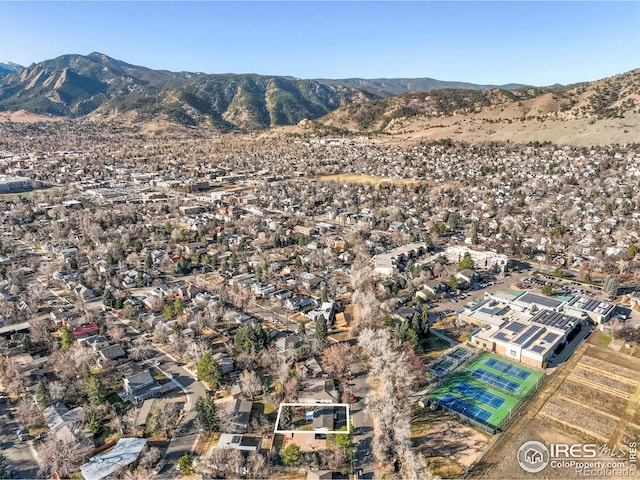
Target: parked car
(159, 467)
(22, 435)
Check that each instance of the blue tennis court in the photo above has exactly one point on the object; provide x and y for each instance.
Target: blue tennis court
(494, 401)
(494, 380)
(507, 369)
(459, 354)
(465, 408)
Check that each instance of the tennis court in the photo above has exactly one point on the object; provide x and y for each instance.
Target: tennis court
(465, 408)
(486, 391)
(507, 368)
(492, 379)
(459, 354)
(480, 395)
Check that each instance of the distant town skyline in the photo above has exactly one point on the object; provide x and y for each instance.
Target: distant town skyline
(536, 43)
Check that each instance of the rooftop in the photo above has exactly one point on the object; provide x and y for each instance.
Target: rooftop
(539, 300)
(591, 305)
(124, 453)
(554, 319)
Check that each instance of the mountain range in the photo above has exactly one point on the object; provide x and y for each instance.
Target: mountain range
(101, 88)
(77, 85)
(9, 67)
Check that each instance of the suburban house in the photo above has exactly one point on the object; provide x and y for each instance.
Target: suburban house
(318, 390)
(97, 342)
(141, 386)
(239, 442)
(114, 353)
(319, 475)
(62, 421)
(241, 414)
(323, 419)
(83, 293)
(85, 330)
(290, 342)
(297, 302)
(124, 453)
(310, 281)
(468, 276)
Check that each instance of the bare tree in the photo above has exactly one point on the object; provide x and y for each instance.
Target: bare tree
(391, 377)
(60, 458)
(150, 457)
(250, 383)
(337, 358)
(165, 418)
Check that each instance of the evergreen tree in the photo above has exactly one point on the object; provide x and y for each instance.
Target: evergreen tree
(96, 392)
(185, 464)
(321, 328)
(66, 339)
(251, 338)
(148, 261)
(424, 321)
(611, 285)
(43, 397)
(301, 329)
(466, 262)
(286, 417)
(291, 455)
(207, 414)
(4, 468)
(108, 300)
(178, 306)
(86, 374)
(25, 344)
(95, 425)
(209, 371)
(167, 312)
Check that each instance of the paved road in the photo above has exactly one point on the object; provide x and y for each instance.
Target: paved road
(363, 426)
(20, 455)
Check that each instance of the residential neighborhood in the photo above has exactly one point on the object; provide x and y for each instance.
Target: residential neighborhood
(163, 303)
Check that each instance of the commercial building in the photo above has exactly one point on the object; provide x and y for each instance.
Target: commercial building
(14, 184)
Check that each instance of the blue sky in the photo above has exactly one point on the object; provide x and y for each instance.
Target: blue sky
(537, 43)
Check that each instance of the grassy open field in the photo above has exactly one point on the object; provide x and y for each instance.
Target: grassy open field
(366, 179)
(510, 399)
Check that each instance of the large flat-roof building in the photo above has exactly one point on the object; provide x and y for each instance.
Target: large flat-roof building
(482, 259)
(525, 327)
(596, 310)
(14, 184)
(386, 264)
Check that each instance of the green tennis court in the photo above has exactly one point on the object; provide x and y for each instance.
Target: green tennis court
(487, 390)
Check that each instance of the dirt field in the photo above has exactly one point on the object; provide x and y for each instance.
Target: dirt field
(449, 446)
(594, 398)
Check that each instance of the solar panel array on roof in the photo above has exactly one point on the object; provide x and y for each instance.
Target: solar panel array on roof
(539, 348)
(554, 319)
(538, 300)
(591, 305)
(515, 327)
(530, 332)
(501, 336)
(550, 337)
